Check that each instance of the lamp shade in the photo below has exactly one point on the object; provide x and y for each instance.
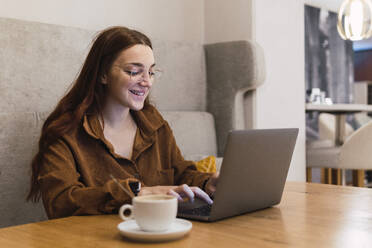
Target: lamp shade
(354, 20)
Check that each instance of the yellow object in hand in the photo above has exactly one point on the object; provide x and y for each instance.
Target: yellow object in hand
(207, 164)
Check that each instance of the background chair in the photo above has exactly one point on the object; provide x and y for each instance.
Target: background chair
(326, 125)
(354, 154)
(360, 90)
(324, 138)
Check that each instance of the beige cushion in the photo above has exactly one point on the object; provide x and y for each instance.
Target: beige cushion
(194, 131)
(319, 143)
(19, 133)
(323, 157)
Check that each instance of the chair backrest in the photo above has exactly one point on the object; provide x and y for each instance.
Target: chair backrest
(356, 152)
(234, 70)
(39, 62)
(19, 133)
(194, 131)
(327, 124)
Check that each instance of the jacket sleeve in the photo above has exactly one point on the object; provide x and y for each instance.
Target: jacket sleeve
(185, 171)
(64, 194)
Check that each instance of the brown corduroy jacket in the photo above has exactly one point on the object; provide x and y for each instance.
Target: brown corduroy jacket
(75, 173)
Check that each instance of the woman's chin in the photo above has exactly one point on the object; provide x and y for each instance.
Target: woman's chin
(137, 106)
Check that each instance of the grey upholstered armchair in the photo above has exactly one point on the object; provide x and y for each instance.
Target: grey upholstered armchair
(39, 61)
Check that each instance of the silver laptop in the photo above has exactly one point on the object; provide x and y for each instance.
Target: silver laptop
(252, 176)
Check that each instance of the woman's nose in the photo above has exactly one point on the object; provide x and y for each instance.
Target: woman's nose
(146, 80)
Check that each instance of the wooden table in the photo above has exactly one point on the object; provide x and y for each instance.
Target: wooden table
(310, 215)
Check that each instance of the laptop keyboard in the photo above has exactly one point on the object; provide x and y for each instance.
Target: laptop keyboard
(204, 210)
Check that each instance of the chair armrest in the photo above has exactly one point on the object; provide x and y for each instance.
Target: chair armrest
(356, 153)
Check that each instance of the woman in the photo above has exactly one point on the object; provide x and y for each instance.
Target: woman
(106, 129)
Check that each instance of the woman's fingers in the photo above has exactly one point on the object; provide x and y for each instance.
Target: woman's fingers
(180, 192)
(172, 192)
(202, 195)
(185, 191)
(192, 192)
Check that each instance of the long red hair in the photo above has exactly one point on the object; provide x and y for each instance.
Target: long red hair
(86, 95)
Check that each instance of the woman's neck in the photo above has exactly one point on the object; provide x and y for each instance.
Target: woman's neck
(116, 117)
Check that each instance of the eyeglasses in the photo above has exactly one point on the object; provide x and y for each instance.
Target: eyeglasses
(138, 73)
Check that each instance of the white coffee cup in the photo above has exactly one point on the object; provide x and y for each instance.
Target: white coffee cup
(153, 213)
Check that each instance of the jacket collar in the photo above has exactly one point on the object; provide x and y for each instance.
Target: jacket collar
(148, 120)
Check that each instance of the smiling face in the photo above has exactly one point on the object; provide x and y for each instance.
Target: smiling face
(130, 77)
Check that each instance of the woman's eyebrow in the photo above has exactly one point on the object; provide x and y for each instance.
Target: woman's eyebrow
(140, 65)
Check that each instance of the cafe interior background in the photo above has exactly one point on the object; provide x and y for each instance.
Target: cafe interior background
(282, 28)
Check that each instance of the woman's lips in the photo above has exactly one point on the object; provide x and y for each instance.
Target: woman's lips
(138, 92)
(138, 95)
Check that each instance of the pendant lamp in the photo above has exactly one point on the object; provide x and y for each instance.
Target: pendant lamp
(354, 19)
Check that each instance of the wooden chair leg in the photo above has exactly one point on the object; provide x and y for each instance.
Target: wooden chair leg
(358, 178)
(329, 176)
(322, 175)
(336, 176)
(326, 175)
(309, 175)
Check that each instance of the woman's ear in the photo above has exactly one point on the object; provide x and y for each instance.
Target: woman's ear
(104, 79)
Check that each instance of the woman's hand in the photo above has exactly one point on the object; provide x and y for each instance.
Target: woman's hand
(210, 186)
(181, 192)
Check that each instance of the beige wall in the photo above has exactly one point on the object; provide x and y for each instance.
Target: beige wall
(227, 20)
(278, 26)
(162, 19)
(333, 5)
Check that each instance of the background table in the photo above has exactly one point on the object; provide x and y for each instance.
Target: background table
(340, 111)
(310, 215)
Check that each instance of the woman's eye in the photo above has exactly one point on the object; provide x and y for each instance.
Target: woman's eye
(133, 73)
(151, 73)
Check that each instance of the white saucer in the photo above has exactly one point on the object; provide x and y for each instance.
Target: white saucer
(178, 229)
